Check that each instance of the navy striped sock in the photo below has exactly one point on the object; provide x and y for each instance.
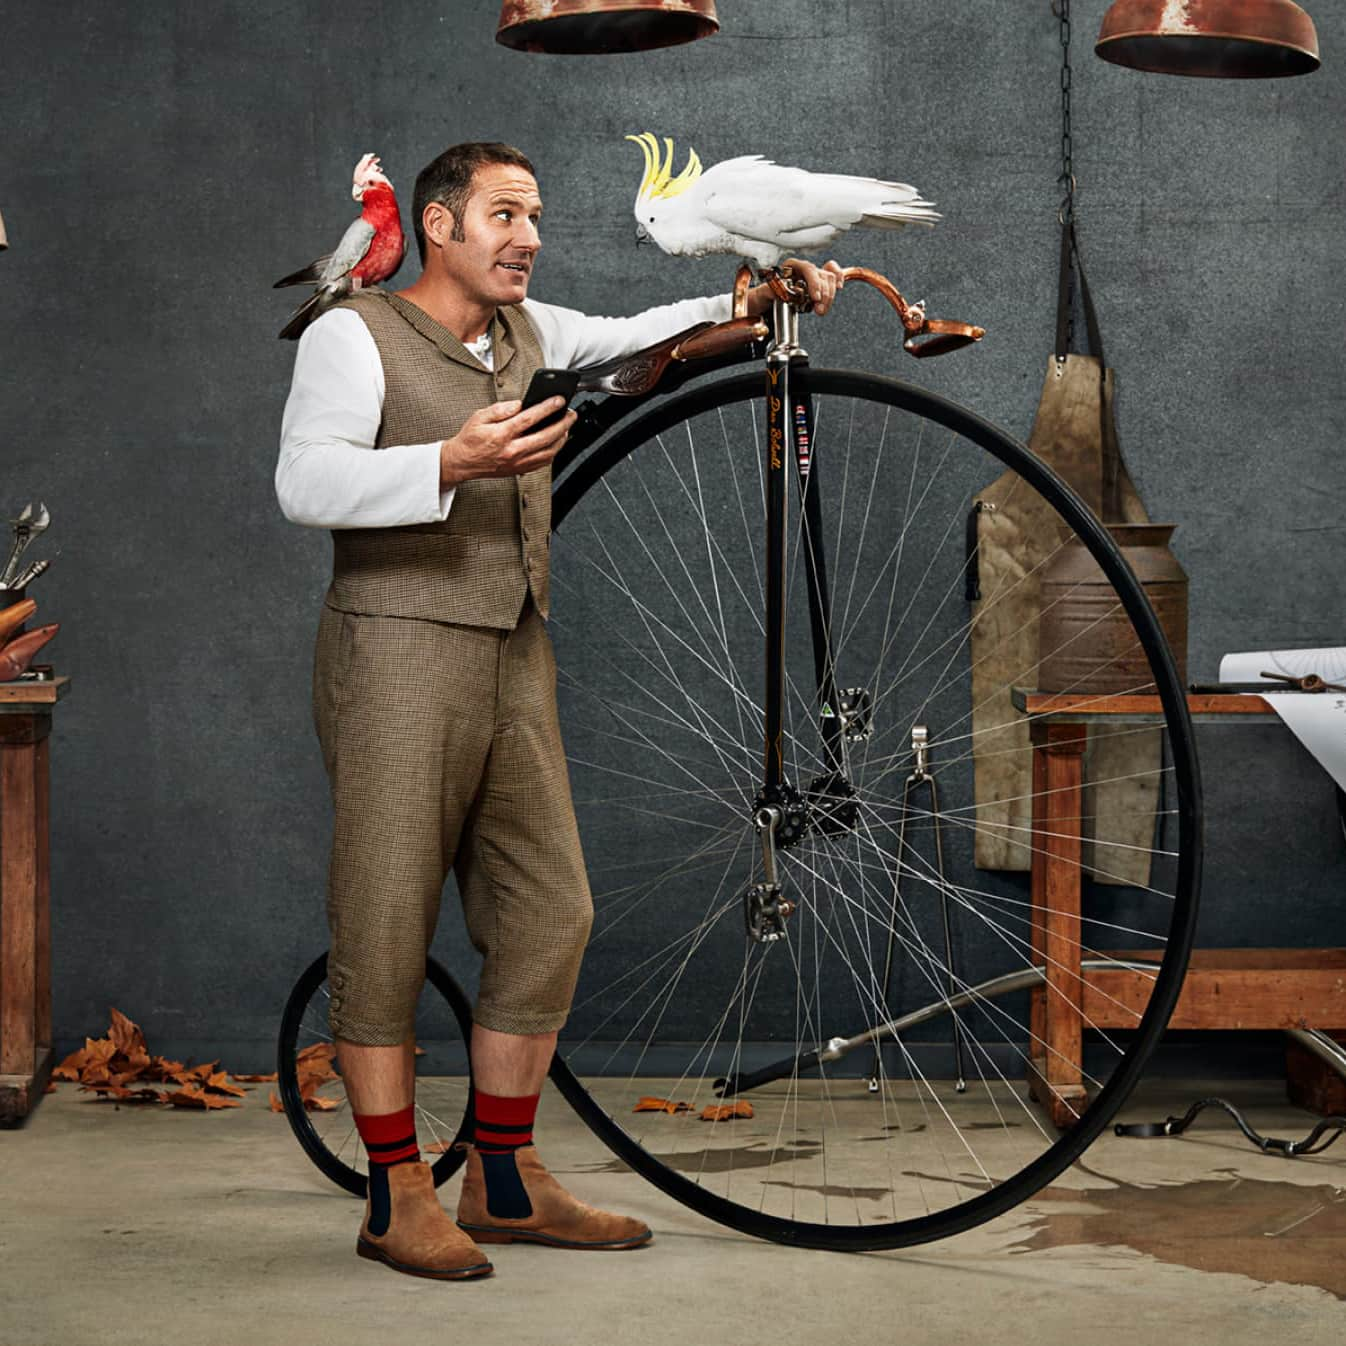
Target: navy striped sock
(389, 1138)
(504, 1125)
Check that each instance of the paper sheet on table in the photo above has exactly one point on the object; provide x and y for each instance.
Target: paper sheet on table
(1317, 719)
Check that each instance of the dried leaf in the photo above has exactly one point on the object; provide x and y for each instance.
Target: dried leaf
(313, 1069)
(100, 1052)
(219, 1083)
(193, 1097)
(313, 1102)
(725, 1112)
(70, 1068)
(127, 1037)
(252, 1079)
(649, 1104)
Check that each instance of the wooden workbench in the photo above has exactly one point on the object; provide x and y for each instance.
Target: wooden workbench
(1224, 988)
(25, 892)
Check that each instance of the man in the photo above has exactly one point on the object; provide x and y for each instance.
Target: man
(434, 690)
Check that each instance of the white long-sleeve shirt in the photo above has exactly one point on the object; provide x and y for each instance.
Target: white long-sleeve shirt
(328, 478)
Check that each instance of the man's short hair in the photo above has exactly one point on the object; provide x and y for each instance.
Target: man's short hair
(448, 180)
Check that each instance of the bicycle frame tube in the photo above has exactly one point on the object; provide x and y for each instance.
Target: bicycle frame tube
(815, 559)
(777, 398)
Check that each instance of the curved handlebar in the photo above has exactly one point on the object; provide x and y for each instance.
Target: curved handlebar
(941, 335)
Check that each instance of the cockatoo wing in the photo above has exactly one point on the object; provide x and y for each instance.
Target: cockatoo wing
(353, 246)
(756, 198)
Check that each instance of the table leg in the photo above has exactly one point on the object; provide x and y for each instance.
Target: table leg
(1055, 1076)
(25, 930)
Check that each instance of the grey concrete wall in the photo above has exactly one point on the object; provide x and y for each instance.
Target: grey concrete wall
(164, 162)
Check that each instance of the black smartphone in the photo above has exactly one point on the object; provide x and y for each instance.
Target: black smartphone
(547, 383)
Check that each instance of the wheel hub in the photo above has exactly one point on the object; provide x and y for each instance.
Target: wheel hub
(794, 813)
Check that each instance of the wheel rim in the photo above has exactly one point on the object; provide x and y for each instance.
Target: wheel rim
(314, 1099)
(655, 548)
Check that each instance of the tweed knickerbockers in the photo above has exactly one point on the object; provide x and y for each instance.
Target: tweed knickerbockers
(443, 751)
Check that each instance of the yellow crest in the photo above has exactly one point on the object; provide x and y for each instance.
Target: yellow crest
(659, 181)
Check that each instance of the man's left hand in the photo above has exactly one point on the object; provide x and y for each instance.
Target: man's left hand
(823, 282)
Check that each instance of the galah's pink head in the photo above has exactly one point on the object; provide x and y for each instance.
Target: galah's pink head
(368, 174)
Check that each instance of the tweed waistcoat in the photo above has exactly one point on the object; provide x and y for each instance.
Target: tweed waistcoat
(476, 566)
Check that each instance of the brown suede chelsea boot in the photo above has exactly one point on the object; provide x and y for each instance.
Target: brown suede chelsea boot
(419, 1239)
(557, 1219)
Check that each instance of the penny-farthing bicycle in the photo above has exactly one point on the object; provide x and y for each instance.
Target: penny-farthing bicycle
(763, 644)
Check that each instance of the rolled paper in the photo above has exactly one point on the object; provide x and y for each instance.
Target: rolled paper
(12, 618)
(18, 654)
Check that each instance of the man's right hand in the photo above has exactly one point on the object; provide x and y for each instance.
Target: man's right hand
(501, 441)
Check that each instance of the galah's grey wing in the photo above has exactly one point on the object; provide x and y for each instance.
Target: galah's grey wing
(306, 275)
(348, 253)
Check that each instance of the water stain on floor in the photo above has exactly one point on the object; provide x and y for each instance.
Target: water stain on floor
(1269, 1231)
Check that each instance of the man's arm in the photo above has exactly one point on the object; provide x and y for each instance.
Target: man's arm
(328, 475)
(574, 340)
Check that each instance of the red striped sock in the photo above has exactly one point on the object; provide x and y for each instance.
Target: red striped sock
(389, 1137)
(503, 1124)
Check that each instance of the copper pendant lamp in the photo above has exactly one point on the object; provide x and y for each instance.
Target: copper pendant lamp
(575, 27)
(1219, 39)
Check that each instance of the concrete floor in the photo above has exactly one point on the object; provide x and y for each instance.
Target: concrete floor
(136, 1225)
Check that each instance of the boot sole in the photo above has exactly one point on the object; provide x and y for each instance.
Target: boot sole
(377, 1254)
(487, 1234)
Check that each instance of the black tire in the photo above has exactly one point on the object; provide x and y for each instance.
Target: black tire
(616, 554)
(443, 1118)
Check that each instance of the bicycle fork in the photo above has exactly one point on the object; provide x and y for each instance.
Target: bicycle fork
(781, 813)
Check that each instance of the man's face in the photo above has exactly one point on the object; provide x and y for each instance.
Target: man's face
(493, 260)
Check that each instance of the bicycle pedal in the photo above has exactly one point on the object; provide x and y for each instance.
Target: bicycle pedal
(766, 912)
(855, 710)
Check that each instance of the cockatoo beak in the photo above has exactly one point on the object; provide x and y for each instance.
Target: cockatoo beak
(643, 234)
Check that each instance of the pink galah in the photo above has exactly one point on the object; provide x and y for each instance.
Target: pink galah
(370, 250)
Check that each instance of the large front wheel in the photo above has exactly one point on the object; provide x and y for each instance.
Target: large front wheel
(903, 970)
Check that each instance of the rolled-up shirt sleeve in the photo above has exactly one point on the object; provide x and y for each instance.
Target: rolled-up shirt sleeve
(572, 340)
(329, 474)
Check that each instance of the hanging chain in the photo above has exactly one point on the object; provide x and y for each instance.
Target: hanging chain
(1066, 181)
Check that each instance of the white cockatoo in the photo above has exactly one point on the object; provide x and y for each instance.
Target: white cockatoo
(750, 207)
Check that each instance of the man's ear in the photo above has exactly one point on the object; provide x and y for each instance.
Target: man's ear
(437, 222)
